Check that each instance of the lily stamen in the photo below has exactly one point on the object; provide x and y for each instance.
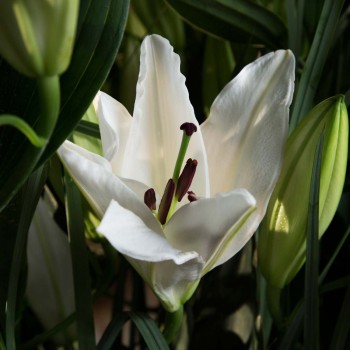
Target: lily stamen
(150, 199)
(188, 129)
(166, 201)
(185, 179)
(192, 196)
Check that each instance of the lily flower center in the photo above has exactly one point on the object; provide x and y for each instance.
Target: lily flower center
(179, 184)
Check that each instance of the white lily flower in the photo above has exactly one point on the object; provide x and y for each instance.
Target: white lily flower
(239, 152)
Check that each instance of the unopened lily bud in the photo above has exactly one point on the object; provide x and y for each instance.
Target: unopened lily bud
(37, 36)
(282, 239)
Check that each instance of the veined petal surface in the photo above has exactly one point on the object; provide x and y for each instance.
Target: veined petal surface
(94, 177)
(115, 122)
(209, 225)
(162, 105)
(166, 269)
(250, 118)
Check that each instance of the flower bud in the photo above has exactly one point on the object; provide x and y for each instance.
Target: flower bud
(282, 239)
(37, 36)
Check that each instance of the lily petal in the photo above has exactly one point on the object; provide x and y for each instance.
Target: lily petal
(210, 225)
(162, 105)
(50, 290)
(250, 118)
(174, 269)
(257, 104)
(93, 175)
(115, 122)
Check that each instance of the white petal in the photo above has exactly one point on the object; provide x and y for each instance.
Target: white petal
(247, 128)
(50, 289)
(167, 270)
(115, 122)
(209, 225)
(162, 105)
(94, 177)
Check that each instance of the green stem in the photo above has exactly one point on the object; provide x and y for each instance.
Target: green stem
(176, 174)
(172, 325)
(49, 94)
(273, 296)
(181, 156)
(24, 128)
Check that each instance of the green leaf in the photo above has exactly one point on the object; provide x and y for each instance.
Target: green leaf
(149, 332)
(316, 60)
(2, 344)
(311, 315)
(100, 29)
(87, 128)
(158, 18)
(89, 67)
(292, 333)
(31, 194)
(342, 327)
(80, 265)
(334, 255)
(237, 21)
(9, 219)
(112, 331)
(295, 12)
(41, 338)
(217, 69)
(266, 320)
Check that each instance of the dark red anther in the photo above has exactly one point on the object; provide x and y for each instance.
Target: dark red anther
(188, 128)
(192, 196)
(186, 178)
(166, 201)
(150, 199)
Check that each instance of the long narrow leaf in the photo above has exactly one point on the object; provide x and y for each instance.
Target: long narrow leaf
(334, 255)
(89, 73)
(41, 338)
(80, 262)
(293, 331)
(101, 26)
(31, 194)
(89, 129)
(317, 58)
(149, 332)
(342, 327)
(112, 331)
(9, 219)
(237, 21)
(311, 317)
(2, 344)
(295, 11)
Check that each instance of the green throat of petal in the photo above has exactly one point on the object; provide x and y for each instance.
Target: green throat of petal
(178, 186)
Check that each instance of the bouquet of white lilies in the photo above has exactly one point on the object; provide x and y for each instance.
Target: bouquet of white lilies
(193, 207)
